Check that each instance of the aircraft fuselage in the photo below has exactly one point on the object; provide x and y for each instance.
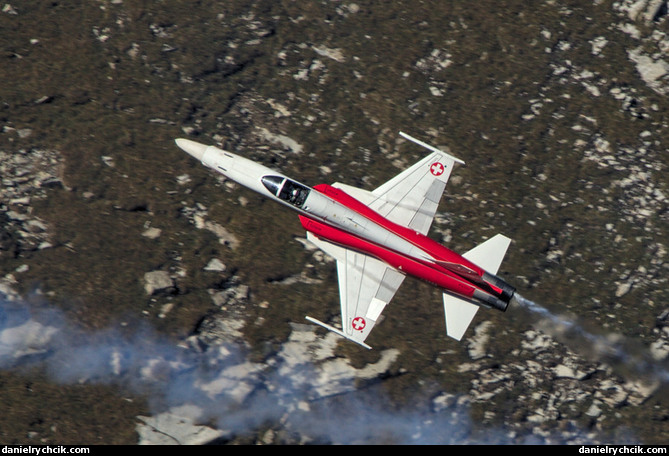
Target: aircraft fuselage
(333, 215)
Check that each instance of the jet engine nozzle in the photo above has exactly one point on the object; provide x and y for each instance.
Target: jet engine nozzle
(507, 290)
(490, 300)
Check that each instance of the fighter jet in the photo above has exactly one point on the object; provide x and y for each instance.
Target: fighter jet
(379, 237)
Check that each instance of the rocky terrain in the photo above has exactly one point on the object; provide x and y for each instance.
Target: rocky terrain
(146, 300)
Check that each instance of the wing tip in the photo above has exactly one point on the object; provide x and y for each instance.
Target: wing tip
(429, 147)
(337, 331)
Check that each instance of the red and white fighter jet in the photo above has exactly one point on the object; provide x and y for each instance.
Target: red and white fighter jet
(379, 237)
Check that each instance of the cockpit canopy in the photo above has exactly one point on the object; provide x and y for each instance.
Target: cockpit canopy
(288, 190)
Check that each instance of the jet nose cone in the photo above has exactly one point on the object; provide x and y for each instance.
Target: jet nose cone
(193, 148)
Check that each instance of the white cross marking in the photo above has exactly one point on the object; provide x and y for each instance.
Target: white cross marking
(358, 323)
(437, 169)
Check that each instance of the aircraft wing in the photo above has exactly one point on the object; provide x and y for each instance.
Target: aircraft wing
(366, 286)
(411, 198)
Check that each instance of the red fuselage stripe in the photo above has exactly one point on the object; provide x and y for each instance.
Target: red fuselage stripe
(440, 275)
(407, 265)
(421, 241)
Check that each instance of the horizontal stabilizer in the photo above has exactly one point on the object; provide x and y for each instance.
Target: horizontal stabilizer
(459, 314)
(337, 331)
(490, 254)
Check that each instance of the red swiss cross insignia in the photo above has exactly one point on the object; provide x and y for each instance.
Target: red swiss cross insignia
(358, 323)
(437, 169)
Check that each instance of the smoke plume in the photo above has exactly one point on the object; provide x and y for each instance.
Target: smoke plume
(612, 349)
(222, 388)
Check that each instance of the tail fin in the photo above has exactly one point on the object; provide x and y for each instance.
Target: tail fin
(490, 254)
(459, 312)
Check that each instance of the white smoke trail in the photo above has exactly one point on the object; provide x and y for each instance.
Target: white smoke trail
(232, 393)
(612, 350)
(219, 382)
